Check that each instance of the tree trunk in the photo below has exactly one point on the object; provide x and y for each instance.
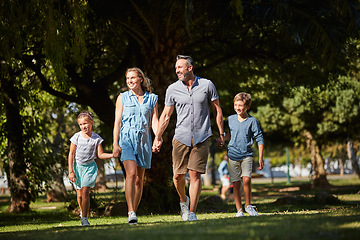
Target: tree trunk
(159, 192)
(317, 161)
(342, 159)
(351, 152)
(213, 150)
(16, 169)
(58, 192)
(101, 178)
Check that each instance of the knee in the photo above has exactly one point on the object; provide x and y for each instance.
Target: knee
(130, 174)
(178, 177)
(246, 181)
(236, 185)
(79, 197)
(194, 175)
(139, 182)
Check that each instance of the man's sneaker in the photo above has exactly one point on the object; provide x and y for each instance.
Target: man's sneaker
(132, 218)
(184, 209)
(192, 216)
(240, 213)
(85, 221)
(251, 210)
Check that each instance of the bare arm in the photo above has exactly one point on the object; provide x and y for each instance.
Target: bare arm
(71, 158)
(101, 154)
(155, 119)
(117, 126)
(162, 125)
(261, 162)
(218, 115)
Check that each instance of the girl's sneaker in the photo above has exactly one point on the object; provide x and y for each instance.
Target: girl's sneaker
(240, 213)
(85, 221)
(132, 218)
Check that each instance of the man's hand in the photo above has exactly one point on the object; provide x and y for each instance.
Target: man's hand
(157, 145)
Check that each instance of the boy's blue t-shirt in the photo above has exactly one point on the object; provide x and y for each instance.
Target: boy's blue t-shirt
(242, 137)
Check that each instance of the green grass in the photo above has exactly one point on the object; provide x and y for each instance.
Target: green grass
(306, 220)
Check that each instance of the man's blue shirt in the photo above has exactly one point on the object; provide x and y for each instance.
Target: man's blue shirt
(192, 108)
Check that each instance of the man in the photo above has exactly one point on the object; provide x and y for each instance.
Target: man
(191, 96)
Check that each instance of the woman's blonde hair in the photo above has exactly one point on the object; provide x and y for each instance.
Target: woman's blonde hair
(146, 83)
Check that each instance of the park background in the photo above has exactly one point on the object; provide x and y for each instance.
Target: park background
(299, 60)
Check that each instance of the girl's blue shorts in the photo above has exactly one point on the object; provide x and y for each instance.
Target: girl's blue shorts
(85, 175)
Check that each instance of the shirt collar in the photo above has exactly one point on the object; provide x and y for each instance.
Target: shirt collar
(131, 94)
(196, 82)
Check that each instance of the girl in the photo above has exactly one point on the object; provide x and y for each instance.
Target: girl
(82, 167)
(136, 110)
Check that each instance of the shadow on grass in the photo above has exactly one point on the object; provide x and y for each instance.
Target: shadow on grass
(35, 217)
(321, 225)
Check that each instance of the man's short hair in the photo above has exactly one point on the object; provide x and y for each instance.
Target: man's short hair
(189, 60)
(242, 96)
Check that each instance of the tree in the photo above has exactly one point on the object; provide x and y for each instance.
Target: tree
(16, 166)
(90, 45)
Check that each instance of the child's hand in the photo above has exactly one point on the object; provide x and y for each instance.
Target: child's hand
(116, 151)
(72, 176)
(219, 142)
(261, 164)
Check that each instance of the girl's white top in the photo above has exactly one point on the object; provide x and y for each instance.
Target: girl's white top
(85, 147)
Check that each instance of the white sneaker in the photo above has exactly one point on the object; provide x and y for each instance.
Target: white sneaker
(85, 221)
(132, 218)
(184, 209)
(192, 216)
(240, 213)
(251, 210)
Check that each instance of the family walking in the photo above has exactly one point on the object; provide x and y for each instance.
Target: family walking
(136, 115)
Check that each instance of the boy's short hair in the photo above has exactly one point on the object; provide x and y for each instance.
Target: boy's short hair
(246, 97)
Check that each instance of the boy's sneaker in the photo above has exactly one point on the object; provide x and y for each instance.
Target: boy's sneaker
(192, 216)
(132, 218)
(251, 210)
(240, 213)
(85, 221)
(184, 209)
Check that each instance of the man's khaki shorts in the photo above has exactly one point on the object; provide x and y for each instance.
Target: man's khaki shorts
(239, 169)
(190, 158)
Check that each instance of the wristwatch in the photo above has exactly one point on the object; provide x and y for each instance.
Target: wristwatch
(223, 134)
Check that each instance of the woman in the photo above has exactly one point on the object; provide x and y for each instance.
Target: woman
(136, 111)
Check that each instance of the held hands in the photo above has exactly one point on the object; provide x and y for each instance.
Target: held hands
(220, 142)
(116, 151)
(157, 145)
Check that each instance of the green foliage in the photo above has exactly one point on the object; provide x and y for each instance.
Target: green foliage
(280, 52)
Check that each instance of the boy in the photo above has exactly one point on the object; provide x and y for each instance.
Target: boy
(224, 176)
(243, 130)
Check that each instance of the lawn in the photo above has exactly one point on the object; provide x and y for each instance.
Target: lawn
(300, 217)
